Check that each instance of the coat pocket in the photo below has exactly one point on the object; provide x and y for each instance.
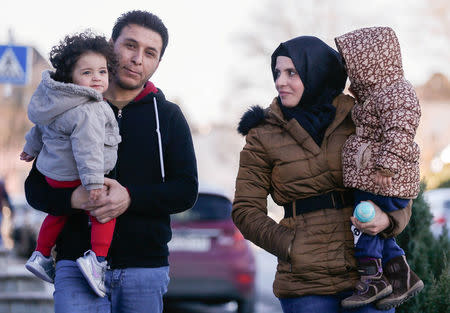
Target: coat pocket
(286, 266)
(363, 156)
(112, 139)
(110, 151)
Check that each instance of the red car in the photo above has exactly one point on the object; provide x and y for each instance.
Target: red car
(210, 261)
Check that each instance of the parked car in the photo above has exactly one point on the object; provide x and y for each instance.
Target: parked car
(210, 261)
(439, 201)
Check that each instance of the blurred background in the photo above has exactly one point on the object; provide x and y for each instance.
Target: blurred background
(216, 66)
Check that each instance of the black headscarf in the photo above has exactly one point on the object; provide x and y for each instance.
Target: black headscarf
(323, 75)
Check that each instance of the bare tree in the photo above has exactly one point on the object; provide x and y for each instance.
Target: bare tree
(439, 11)
(269, 24)
(272, 22)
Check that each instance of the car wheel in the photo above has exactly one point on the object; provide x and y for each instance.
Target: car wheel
(246, 305)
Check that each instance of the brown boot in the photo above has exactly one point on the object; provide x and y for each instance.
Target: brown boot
(405, 283)
(372, 286)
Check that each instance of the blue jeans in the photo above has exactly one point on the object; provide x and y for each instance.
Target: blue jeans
(324, 304)
(129, 290)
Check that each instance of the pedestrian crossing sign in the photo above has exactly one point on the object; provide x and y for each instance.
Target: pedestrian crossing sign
(15, 64)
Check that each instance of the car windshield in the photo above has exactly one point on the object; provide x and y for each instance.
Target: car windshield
(207, 207)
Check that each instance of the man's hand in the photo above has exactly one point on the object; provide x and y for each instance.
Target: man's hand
(379, 223)
(110, 204)
(94, 194)
(79, 197)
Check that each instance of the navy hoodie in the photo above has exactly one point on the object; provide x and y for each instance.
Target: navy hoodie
(143, 231)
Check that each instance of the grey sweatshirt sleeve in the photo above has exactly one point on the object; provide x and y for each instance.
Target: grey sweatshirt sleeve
(33, 143)
(87, 139)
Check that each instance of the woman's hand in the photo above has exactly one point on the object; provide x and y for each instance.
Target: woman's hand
(379, 223)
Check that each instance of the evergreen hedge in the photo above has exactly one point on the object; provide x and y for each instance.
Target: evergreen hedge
(428, 257)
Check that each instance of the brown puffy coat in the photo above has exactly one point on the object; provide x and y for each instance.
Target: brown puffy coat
(386, 114)
(281, 159)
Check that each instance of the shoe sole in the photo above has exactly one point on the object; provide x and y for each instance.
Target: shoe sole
(386, 292)
(39, 272)
(393, 303)
(84, 269)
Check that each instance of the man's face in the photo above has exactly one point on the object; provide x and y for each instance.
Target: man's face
(138, 50)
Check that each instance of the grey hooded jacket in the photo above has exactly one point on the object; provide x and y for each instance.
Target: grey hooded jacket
(76, 134)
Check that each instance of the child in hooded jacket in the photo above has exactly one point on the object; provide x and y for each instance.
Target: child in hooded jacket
(380, 161)
(75, 141)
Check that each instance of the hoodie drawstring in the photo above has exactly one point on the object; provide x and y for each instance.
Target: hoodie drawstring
(158, 133)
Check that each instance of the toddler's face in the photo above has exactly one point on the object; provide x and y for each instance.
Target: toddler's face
(91, 70)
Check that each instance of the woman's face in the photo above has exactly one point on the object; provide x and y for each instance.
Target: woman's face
(288, 83)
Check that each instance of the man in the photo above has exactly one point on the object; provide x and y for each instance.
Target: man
(155, 176)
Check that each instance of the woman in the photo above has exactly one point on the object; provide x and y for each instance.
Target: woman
(293, 152)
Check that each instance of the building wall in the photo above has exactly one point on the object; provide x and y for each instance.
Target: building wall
(14, 124)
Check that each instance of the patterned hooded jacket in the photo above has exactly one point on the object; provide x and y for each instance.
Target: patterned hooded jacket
(386, 114)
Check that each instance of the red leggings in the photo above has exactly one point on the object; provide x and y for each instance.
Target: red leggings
(101, 234)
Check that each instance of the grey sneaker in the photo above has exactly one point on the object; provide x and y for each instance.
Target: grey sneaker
(93, 271)
(41, 266)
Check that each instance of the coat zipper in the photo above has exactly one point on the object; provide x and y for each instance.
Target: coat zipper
(119, 124)
(294, 211)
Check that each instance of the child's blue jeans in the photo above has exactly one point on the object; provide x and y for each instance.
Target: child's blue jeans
(377, 246)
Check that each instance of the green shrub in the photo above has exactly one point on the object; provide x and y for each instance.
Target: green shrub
(428, 257)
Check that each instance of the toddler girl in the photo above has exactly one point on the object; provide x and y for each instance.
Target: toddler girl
(75, 141)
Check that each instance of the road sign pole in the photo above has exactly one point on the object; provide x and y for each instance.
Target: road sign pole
(7, 90)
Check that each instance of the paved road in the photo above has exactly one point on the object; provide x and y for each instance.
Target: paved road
(265, 300)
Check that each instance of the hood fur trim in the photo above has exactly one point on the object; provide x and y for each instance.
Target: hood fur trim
(252, 118)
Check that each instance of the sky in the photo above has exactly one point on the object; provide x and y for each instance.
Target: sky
(195, 70)
(190, 72)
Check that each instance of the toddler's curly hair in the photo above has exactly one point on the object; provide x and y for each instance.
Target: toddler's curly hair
(65, 55)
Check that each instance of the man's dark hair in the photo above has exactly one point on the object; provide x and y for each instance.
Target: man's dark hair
(144, 19)
(65, 55)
